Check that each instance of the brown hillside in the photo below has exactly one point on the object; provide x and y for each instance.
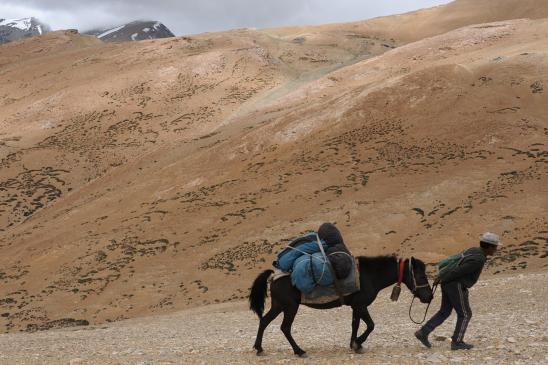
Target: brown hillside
(416, 25)
(152, 176)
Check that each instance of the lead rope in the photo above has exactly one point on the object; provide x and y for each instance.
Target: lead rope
(426, 311)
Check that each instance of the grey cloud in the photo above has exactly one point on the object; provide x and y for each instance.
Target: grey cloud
(187, 17)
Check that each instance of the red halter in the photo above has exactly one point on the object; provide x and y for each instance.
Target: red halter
(400, 274)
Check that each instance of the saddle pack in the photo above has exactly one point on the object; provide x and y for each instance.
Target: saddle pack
(316, 259)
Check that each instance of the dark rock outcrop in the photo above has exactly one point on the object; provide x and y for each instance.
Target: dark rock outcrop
(134, 31)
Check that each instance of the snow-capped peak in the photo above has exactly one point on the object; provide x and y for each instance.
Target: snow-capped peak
(23, 24)
(110, 31)
(14, 29)
(133, 31)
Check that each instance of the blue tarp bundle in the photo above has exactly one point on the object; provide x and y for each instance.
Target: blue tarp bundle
(304, 260)
(310, 271)
(305, 244)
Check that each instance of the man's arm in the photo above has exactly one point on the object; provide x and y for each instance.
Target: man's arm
(469, 265)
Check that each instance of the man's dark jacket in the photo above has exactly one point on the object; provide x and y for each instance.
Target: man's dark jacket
(469, 270)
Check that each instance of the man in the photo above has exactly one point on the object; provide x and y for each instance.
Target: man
(455, 292)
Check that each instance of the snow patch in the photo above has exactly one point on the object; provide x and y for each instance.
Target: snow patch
(157, 25)
(23, 24)
(110, 31)
(146, 30)
(134, 36)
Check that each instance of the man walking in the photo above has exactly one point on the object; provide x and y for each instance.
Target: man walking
(455, 292)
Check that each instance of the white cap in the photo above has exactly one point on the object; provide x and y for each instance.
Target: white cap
(490, 238)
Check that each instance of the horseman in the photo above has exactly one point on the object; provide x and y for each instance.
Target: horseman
(455, 292)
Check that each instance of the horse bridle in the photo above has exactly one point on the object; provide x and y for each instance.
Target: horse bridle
(415, 288)
(412, 273)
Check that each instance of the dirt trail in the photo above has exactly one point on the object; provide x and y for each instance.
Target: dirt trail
(303, 79)
(509, 327)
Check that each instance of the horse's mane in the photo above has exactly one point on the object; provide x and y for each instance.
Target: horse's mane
(384, 260)
(377, 261)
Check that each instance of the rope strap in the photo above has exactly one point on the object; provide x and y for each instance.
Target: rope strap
(325, 263)
(335, 280)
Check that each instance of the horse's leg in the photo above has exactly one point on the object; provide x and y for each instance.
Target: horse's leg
(364, 314)
(274, 311)
(355, 326)
(289, 315)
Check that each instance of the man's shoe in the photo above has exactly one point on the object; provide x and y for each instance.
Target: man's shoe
(460, 346)
(423, 338)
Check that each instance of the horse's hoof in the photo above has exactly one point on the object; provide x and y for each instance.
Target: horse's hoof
(357, 348)
(302, 355)
(261, 353)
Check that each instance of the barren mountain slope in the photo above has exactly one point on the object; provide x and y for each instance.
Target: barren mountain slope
(77, 115)
(89, 107)
(416, 25)
(153, 176)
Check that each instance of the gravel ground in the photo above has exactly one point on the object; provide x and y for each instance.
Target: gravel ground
(509, 326)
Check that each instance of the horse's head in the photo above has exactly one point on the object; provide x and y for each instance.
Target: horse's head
(416, 280)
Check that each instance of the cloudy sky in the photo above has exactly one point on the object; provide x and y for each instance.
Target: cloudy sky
(196, 16)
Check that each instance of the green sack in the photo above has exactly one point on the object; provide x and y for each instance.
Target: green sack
(448, 264)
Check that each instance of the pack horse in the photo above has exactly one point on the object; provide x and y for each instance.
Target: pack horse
(375, 274)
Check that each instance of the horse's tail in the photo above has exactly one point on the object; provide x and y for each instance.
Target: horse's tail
(258, 292)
